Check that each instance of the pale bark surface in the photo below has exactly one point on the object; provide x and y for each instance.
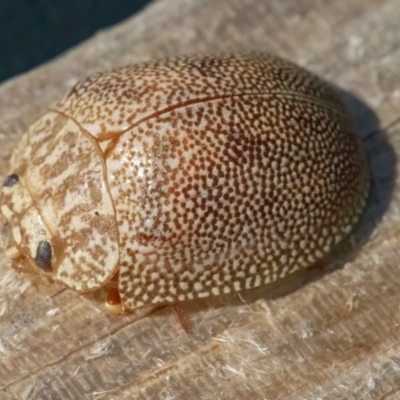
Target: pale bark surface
(328, 334)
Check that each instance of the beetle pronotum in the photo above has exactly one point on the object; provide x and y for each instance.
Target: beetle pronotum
(185, 178)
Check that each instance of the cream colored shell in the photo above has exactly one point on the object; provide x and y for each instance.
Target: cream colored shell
(192, 177)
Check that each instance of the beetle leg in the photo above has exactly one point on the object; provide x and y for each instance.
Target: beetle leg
(181, 317)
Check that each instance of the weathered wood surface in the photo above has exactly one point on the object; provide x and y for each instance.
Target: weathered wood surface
(329, 334)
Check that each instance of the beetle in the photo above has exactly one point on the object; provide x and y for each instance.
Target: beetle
(185, 178)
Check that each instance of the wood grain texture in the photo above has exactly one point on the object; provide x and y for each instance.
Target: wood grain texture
(331, 333)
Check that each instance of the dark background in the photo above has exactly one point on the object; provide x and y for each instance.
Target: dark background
(33, 31)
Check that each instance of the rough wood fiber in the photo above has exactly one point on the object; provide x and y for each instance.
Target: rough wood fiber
(329, 334)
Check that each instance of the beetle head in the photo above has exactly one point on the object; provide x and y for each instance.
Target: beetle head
(23, 233)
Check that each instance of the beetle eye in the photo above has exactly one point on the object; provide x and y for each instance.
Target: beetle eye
(11, 180)
(43, 255)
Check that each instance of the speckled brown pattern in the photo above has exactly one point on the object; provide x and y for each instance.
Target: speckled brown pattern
(225, 173)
